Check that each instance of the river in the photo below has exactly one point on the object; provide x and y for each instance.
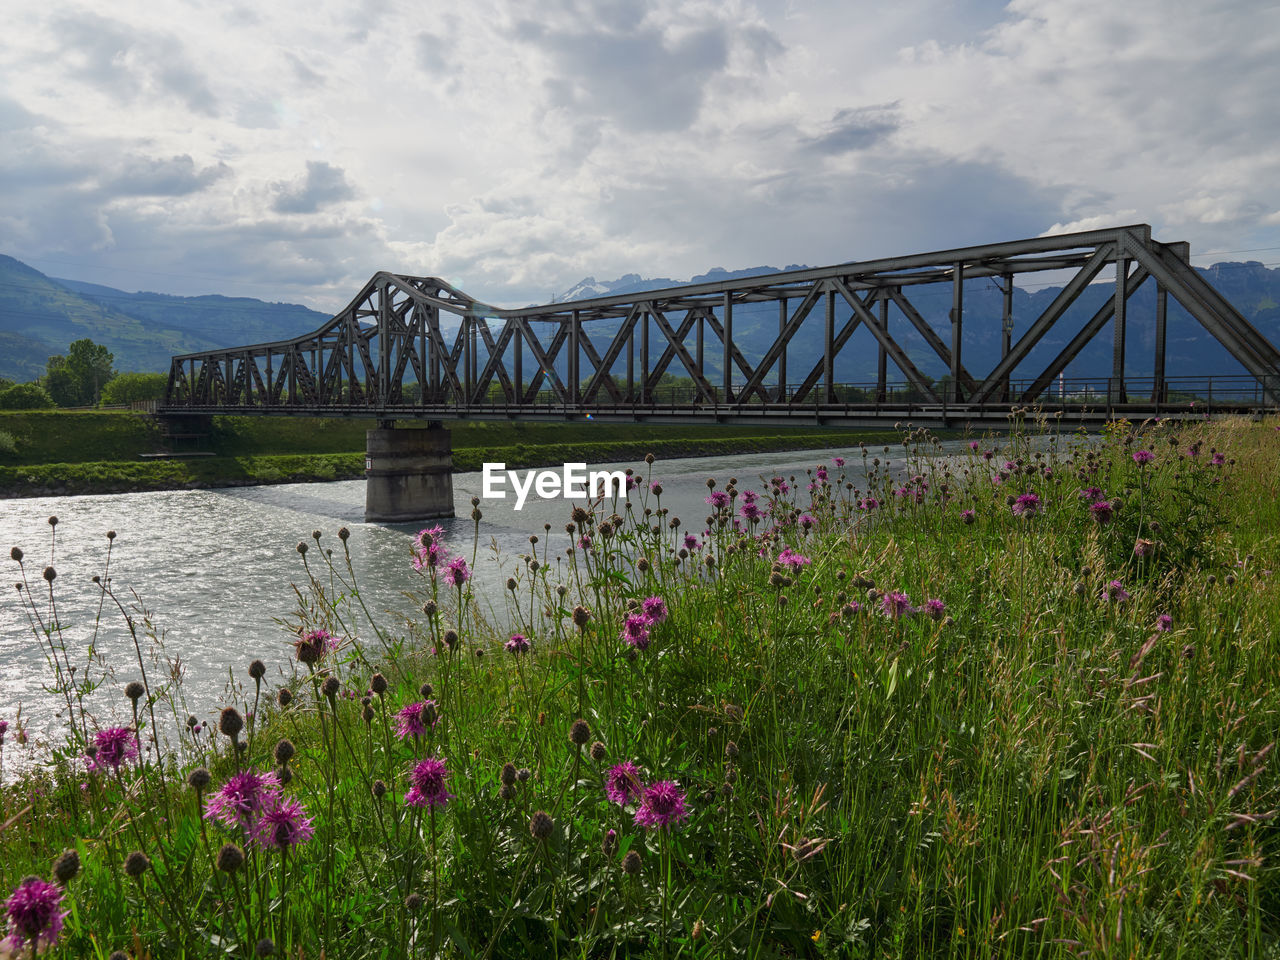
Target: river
(215, 568)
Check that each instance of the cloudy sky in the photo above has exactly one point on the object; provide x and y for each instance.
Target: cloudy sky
(288, 150)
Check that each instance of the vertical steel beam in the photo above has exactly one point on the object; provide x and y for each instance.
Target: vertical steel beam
(466, 360)
(383, 392)
(644, 357)
(1117, 351)
(728, 347)
(702, 322)
(631, 364)
(519, 359)
(957, 329)
(782, 357)
(828, 351)
(1162, 318)
(1006, 332)
(882, 359)
(574, 329)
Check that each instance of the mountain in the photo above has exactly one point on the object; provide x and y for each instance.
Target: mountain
(40, 316)
(1252, 288)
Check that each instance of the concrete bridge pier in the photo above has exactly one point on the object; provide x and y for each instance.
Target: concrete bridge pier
(408, 473)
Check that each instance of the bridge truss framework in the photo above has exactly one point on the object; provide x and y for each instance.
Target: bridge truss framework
(387, 354)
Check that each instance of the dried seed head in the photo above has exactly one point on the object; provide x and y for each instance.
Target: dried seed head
(508, 775)
(507, 792)
(199, 778)
(367, 713)
(134, 690)
(266, 948)
(343, 534)
(16, 554)
(581, 617)
(610, 843)
(66, 867)
(257, 670)
(523, 774)
(230, 722)
(541, 825)
(302, 547)
(284, 696)
(50, 574)
(451, 639)
(284, 751)
(731, 750)
(511, 583)
(117, 955)
(430, 608)
(598, 752)
(579, 733)
(378, 684)
(330, 687)
(425, 691)
(379, 789)
(285, 775)
(413, 902)
(135, 864)
(631, 863)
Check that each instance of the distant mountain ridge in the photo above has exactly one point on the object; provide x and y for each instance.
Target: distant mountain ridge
(40, 316)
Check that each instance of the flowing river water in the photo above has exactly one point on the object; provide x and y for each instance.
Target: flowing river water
(215, 569)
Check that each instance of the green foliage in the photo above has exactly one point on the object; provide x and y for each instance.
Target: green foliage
(25, 396)
(1044, 768)
(77, 379)
(8, 443)
(126, 388)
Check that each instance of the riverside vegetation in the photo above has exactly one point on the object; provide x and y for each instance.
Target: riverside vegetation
(52, 453)
(1019, 702)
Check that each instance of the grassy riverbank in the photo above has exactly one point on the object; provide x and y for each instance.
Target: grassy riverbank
(1014, 706)
(56, 453)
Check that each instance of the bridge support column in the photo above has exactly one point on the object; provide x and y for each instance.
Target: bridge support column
(408, 475)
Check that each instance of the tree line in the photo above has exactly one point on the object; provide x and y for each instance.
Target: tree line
(84, 377)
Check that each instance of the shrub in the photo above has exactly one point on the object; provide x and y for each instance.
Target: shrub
(129, 387)
(25, 396)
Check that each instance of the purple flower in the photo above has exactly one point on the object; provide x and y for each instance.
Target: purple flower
(636, 631)
(1114, 592)
(622, 783)
(655, 608)
(1164, 623)
(822, 474)
(868, 504)
(935, 609)
(838, 461)
(412, 721)
(1218, 459)
(1143, 548)
(788, 558)
(1101, 511)
(518, 643)
(1027, 505)
(1143, 457)
(973, 445)
(718, 499)
(896, 604)
(988, 454)
(114, 746)
(428, 551)
(662, 806)
(426, 784)
(315, 645)
(34, 914)
(1091, 494)
(456, 572)
(691, 543)
(967, 516)
(807, 522)
(584, 542)
(283, 825)
(243, 798)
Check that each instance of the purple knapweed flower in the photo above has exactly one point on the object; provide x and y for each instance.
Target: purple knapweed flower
(718, 499)
(662, 806)
(973, 445)
(988, 454)
(655, 608)
(935, 609)
(314, 645)
(456, 572)
(1218, 459)
(428, 549)
(896, 604)
(1164, 623)
(243, 798)
(789, 558)
(283, 825)
(1114, 592)
(584, 542)
(967, 516)
(411, 721)
(822, 474)
(691, 543)
(114, 746)
(1143, 548)
(622, 783)
(35, 915)
(807, 522)
(426, 784)
(868, 503)
(1101, 511)
(518, 643)
(751, 511)
(1026, 506)
(1092, 494)
(838, 461)
(635, 630)
(1143, 457)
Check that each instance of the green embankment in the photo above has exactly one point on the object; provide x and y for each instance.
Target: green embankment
(46, 452)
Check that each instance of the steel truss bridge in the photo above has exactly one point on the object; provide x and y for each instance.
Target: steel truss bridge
(416, 347)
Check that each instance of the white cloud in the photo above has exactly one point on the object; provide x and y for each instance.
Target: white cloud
(186, 147)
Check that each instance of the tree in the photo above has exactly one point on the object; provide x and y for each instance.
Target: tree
(77, 379)
(128, 387)
(25, 396)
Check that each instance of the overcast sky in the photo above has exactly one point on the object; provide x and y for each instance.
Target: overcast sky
(288, 150)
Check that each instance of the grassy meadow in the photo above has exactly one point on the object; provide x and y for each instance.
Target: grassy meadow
(1018, 702)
